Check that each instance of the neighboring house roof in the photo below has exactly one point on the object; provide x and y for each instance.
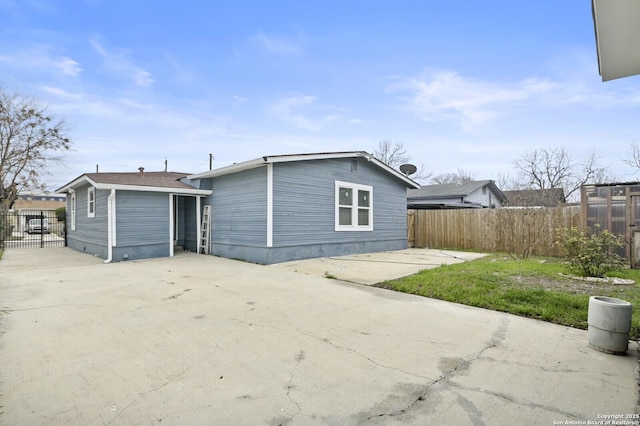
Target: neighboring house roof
(443, 195)
(22, 204)
(552, 197)
(270, 159)
(617, 37)
(140, 181)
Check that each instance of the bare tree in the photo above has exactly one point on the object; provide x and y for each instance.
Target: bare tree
(394, 155)
(29, 139)
(508, 183)
(547, 168)
(634, 161)
(461, 176)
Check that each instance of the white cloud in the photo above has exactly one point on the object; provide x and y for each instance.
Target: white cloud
(278, 45)
(239, 101)
(286, 110)
(303, 112)
(445, 95)
(118, 62)
(40, 58)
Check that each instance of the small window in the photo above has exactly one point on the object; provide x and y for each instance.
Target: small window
(73, 211)
(91, 202)
(354, 208)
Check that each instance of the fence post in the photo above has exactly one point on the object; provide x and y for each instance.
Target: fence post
(41, 229)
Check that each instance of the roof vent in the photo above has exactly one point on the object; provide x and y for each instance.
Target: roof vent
(141, 169)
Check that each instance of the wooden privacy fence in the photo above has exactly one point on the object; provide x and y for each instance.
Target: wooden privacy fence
(513, 230)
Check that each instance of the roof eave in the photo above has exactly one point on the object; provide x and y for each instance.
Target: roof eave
(74, 183)
(108, 186)
(252, 164)
(167, 189)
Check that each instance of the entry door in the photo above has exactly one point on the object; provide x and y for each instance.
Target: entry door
(176, 220)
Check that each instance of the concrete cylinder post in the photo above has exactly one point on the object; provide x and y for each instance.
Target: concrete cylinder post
(609, 322)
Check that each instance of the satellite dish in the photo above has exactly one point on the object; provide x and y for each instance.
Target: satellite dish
(408, 169)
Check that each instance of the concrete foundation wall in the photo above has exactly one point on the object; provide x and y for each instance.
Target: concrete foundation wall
(272, 255)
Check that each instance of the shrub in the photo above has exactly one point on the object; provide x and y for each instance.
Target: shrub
(61, 214)
(591, 253)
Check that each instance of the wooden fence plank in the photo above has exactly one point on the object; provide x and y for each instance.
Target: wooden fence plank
(492, 230)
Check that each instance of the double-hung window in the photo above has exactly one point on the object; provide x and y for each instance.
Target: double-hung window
(354, 207)
(91, 202)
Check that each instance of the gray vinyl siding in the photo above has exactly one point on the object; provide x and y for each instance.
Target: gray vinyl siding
(239, 209)
(303, 212)
(142, 218)
(477, 197)
(304, 203)
(90, 235)
(486, 200)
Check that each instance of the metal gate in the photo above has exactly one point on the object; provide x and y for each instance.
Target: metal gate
(31, 229)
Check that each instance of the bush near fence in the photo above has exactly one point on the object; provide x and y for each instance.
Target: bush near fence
(511, 230)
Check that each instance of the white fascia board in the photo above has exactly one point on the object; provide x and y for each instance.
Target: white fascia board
(308, 157)
(74, 183)
(234, 168)
(252, 164)
(410, 182)
(177, 191)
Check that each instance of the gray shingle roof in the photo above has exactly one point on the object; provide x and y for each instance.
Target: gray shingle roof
(155, 179)
(448, 189)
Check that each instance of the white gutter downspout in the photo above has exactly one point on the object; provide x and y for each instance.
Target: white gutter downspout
(171, 225)
(111, 220)
(270, 205)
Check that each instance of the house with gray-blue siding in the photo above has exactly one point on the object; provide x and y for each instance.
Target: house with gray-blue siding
(121, 216)
(288, 207)
(268, 210)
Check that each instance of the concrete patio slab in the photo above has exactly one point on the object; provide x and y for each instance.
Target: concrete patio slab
(200, 340)
(372, 268)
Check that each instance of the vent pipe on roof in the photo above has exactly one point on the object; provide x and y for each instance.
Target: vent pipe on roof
(210, 161)
(97, 168)
(141, 169)
(165, 164)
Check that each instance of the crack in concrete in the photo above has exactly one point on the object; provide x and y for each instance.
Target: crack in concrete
(497, 337)
(368, 358)
(49, 307)
(299, 358)
(508, 398)
(169, 380)
(182, 412)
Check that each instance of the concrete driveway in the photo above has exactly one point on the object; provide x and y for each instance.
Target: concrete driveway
(199, 340)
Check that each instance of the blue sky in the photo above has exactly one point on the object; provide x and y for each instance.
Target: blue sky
(462, 84)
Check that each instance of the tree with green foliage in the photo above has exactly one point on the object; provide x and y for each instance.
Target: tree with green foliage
(591, 253)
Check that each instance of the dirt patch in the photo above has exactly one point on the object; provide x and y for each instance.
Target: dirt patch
(573, 286)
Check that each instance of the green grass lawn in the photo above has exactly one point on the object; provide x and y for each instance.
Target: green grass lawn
(532, 288)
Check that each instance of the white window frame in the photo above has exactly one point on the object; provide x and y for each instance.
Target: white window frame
(73, 211)
(91, 202)
(355, 187)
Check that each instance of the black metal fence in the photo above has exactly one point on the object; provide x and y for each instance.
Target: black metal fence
(31, 229)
